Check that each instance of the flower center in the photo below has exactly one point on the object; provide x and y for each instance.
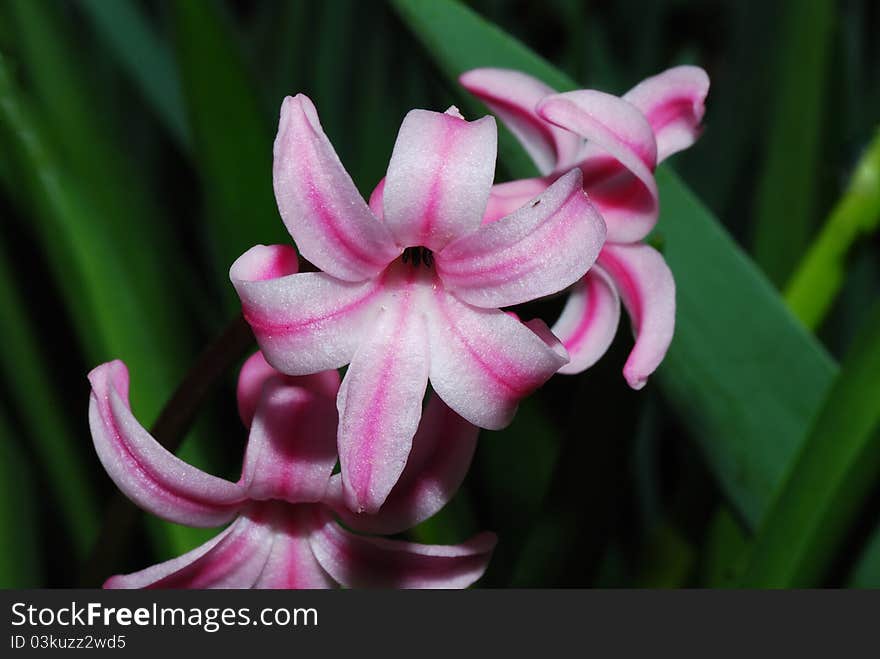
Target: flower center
(418, 256)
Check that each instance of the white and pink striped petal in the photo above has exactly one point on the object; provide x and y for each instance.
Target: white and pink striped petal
(291, 448)
(441, 454)
(357, 561)
(513, 96)
(617, 160)
(589, 320)
(233, 559)
(674, 104)
(439, 178)
(320, 205)
(484, 361)
(146, 472)
(538, 250)
(647, 289)
(307, 322)
(380, 401)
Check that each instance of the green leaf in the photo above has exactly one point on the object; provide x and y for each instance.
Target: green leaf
(838, 465)
(742, 372)
(786, 201)
(127, 34)
(20, 542)
(231, 134)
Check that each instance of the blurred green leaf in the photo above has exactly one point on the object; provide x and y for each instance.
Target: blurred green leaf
(232, 142)
(837, 466)
(144, 57)
(822, 272)
(20, 541)
(33, 392)
(742, 371)
(786, 200)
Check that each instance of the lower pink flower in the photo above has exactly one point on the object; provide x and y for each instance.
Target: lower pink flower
(616, 143)
(283, 510)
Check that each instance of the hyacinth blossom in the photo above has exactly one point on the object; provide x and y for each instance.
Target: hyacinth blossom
(410, 287)
(283, 510)
(616, 143)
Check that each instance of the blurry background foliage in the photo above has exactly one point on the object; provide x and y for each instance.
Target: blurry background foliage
(135, 165)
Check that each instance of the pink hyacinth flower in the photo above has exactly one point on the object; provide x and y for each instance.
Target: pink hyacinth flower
(414, 295)
(283, 531)
(616, 143)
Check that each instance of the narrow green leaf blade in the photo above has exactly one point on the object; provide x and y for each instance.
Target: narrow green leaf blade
(232, 143)
(838, 465)
(786, 201)
(122, 26)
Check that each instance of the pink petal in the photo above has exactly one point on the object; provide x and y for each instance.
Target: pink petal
(319, 203)
(439, 178)
(147, 473)
(307, 322)
(505, 198)
(376, 199)
(513, 96)
(441, 454)
(362, 562)
(256, 371)
(673, 102)
(540, 249)
(484, 361)
(291, 449)
(618, 159)
(380, 401)
(291, 563)
(647, 289)
(234, 559)
(589, 320)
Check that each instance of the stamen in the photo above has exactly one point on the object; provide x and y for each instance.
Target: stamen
(418, 256)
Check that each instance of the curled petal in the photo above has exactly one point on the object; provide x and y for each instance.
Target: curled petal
(307, 322)
(319, 203)
(256, 371)
(647, 289)
(361, 562)
(540, 249)
(380, 401)
(291, 449)
(673, 102)
(233, 559)
(439, 178)
(441, 454)
(618, 159)
(513, 96)
(588, 321)
(291, 564)
(483, 361)
(143, 469)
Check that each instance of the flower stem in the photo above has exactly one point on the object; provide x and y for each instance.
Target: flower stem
(821, 273)
(169, 430)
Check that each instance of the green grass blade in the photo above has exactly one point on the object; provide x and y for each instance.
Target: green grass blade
(142, 55)
(232, 143)
(33, 392)
(20, 565)
(838, 465)
(742, 372)
(786, 200)
(821, 274)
